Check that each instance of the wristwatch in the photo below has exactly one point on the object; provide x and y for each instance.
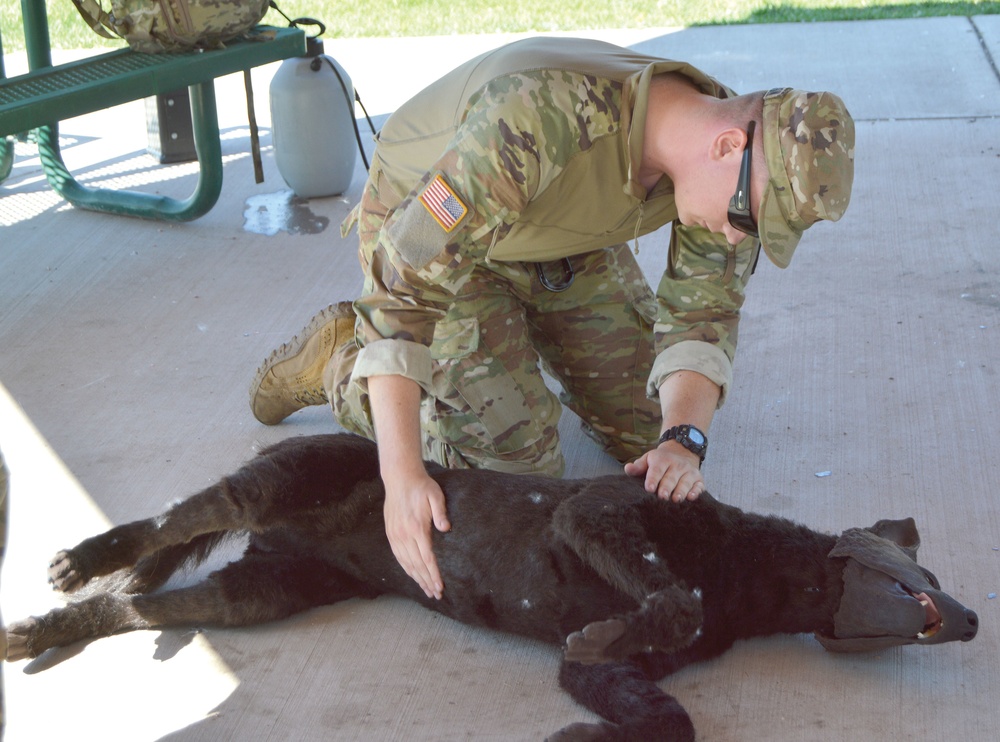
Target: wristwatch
(688, 436)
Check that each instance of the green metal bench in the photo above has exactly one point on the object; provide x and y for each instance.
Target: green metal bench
(46, 95)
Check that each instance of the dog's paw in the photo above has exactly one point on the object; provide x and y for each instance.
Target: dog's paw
(580, 732)
(589, 646)
(676, 617)
(668, 620)
(64, 574)
(20, 637)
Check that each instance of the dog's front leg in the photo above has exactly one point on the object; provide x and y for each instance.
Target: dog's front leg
(667, 621)
(606, 530)
(633, 705)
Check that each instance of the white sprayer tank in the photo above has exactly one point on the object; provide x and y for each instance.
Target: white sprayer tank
(312, 124)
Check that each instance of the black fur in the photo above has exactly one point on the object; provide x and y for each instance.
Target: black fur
(634, 586)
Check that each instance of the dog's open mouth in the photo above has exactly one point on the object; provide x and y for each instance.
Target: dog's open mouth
(900, 604)
(933, 622)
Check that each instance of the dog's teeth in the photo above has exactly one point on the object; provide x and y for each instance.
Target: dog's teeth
(925, 602)
(921, 635)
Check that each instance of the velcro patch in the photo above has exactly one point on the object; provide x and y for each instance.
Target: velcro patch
(442, 203)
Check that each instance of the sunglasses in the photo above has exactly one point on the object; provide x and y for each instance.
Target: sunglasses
(739, 205)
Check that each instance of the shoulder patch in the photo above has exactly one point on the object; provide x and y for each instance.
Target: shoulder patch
(442, 203)
(421, 227)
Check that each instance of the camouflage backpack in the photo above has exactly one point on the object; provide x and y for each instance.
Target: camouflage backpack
(171, 25)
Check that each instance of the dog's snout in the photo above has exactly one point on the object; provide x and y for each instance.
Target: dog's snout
(973, 621)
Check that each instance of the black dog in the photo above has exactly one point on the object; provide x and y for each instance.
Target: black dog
(641, 587)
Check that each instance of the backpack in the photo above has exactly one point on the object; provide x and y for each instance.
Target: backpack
(173, 25)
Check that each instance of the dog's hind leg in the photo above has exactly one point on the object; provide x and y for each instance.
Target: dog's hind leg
(606, 531)
(633, 705)
(332, 479)
(256, 589)
(214, 510)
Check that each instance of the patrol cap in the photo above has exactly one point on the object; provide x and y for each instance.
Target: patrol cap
(809, 149)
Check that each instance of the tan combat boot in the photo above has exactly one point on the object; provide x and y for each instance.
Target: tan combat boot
(292, 376)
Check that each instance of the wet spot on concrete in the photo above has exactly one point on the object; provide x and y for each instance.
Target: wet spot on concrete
(283, 211)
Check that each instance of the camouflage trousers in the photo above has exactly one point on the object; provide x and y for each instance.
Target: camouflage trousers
(489, 405)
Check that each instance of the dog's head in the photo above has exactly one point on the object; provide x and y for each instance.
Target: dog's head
(889, 600)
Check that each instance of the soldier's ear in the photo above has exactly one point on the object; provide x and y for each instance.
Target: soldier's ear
(728, 144)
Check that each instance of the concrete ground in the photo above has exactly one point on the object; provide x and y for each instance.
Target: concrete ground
(866, 388)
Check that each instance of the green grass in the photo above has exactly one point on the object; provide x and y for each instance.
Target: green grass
(442, 17)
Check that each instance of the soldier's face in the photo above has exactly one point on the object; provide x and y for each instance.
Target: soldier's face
(703, 191)
(702, 199)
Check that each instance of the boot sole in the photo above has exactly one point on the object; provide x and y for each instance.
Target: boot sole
(292, 348)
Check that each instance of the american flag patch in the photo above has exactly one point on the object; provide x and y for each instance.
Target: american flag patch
(446, 208)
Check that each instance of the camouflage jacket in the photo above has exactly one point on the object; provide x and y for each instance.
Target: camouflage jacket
(530, 153)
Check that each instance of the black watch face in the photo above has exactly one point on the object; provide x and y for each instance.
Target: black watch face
(695, 436)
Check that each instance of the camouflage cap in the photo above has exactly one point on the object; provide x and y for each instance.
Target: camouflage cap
(809, 149)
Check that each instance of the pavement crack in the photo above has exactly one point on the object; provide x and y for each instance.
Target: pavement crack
(986, 49)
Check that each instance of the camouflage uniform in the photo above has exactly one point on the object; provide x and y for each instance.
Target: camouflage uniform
(153, 26)
(519, 164)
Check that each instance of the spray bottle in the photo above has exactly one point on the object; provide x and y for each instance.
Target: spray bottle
(312, 122)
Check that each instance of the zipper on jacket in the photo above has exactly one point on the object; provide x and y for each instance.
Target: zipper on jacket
(730, 265)
(638, 226)
(493, 243)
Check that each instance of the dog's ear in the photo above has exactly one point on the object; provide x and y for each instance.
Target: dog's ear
(901, 532)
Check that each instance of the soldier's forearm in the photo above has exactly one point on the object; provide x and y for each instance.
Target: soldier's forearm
(688, 398)
(395, 402)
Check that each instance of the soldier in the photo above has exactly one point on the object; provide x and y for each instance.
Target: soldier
(494, 236)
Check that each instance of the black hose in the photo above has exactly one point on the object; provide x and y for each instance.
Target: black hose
(315, 65)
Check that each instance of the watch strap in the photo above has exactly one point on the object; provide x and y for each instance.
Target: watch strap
(682, 434)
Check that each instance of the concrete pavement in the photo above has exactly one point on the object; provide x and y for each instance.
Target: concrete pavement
(126, 348)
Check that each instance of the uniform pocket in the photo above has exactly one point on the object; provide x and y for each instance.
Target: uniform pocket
(455, 338)
(489, 400)
(643, 300)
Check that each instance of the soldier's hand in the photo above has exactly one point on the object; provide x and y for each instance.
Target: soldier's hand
(671, 471)
(409, 512)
